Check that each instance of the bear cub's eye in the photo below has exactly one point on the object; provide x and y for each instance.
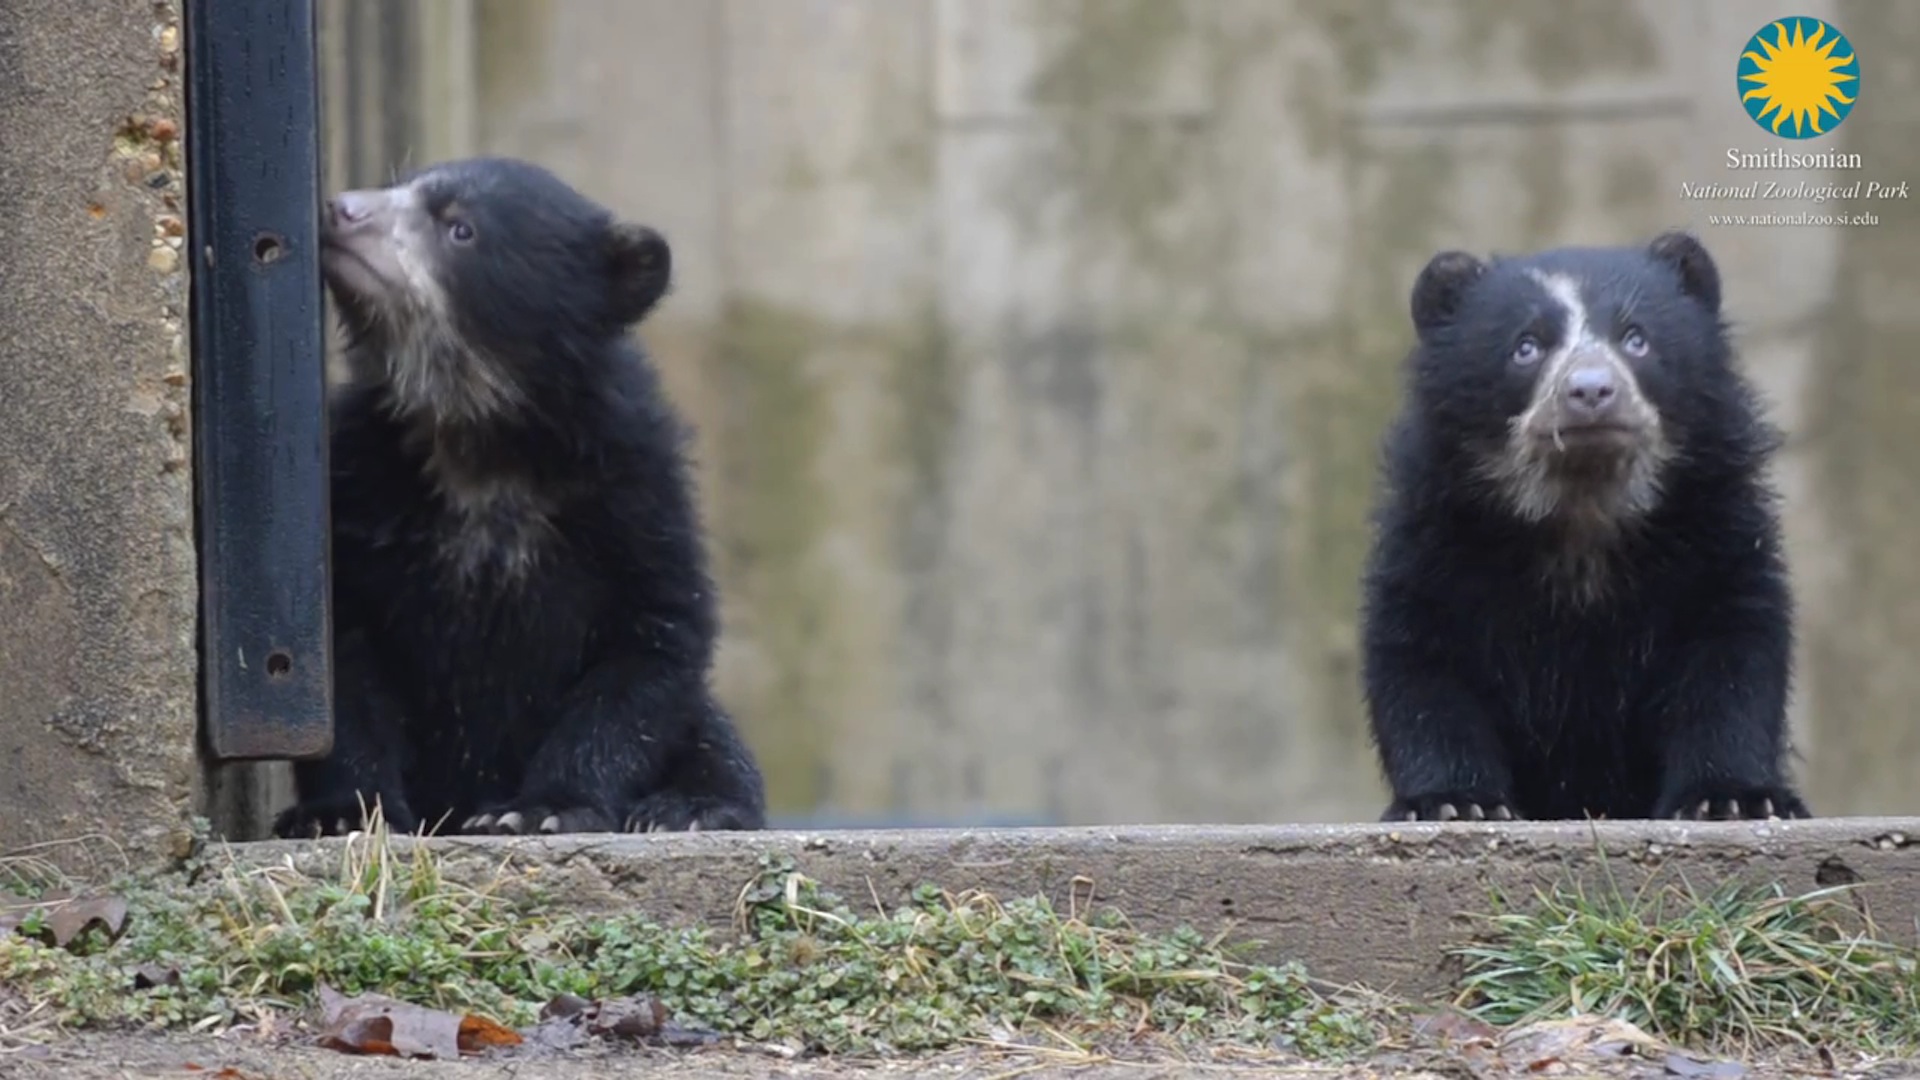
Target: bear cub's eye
(461, 231)
(1527, 350)
(1634, 342)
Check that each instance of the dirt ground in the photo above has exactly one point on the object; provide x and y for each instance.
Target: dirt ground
(247, 1056)
(98, 1057)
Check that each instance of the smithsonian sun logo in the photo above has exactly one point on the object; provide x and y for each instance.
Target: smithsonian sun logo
(1798, 77)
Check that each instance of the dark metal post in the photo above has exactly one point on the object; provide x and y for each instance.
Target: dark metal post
(259, 381)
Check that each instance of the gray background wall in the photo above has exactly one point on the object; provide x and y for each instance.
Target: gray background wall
(1039, 349)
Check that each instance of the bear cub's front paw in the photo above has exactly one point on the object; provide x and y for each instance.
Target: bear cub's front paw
(536, 817)
(338, 815)
(1451, 806)
(671, 811)
(1717, 802)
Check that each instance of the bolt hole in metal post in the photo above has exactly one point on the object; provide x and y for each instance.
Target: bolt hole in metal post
(279, 664)
(267, 248)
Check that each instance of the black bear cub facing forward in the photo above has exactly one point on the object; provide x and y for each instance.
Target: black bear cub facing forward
(524, 622)
(1576, 602)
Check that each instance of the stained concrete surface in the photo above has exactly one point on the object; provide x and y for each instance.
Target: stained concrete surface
(98, 591)
(1370, 904)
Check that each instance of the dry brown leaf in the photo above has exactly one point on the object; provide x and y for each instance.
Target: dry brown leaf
(478, 1033)
(65, 918)
(560, 1026)
(1547, 1043)
(148, 976)
(569, 1020)
(555, 1033)
(70, 920)
(376, 1024)
(1451, 1027)
(565, 1007)
(638, 1017)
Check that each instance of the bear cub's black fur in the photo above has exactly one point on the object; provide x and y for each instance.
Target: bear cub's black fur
(1576, 602)
(524, 619)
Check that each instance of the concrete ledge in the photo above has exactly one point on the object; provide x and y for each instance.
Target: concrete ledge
(1373, 904)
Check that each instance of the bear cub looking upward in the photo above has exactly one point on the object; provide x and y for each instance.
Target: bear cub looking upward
(1576, 602)
(524, 622)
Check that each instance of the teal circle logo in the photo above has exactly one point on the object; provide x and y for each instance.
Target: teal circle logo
(1798, 77)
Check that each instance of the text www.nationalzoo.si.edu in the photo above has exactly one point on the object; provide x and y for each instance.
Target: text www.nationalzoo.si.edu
(1865, 217)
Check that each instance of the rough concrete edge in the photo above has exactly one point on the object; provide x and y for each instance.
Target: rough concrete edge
(1371, 904)
(97, 481)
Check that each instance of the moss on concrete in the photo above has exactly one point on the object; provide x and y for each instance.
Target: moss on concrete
(1559, 42)
(1124, 169)
(510, 39)
(775, 510)
(923, 375)
(778, 508)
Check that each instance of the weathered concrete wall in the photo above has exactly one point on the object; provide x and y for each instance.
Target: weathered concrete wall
(97, 580)
(1040, 349)
(1366, 904)
(1863, 428)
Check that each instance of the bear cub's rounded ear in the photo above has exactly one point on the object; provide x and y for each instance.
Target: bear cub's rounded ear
(639, 269)
(1699, 276)
(1440, 288)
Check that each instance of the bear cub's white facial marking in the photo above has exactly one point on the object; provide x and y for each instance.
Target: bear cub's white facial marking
(1586, 454)
(384, 248)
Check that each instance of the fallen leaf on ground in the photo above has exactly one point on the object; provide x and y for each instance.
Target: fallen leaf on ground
(1539, 1045)
(68, 921)
(1453, 1027)
(640, 1017)
(569, 1020)
(479, 1033)
(148, 976)
(565, 1007)
(554, 1033)
(375, 1024)
(63, 919)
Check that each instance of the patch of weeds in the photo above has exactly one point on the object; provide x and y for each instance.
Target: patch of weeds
(210, 944)
(1735, 967)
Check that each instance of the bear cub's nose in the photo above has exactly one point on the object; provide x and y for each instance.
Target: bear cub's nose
(349, 208)
(1591, 388)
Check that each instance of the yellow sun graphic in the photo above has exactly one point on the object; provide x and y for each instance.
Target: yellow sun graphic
(1792, 84)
